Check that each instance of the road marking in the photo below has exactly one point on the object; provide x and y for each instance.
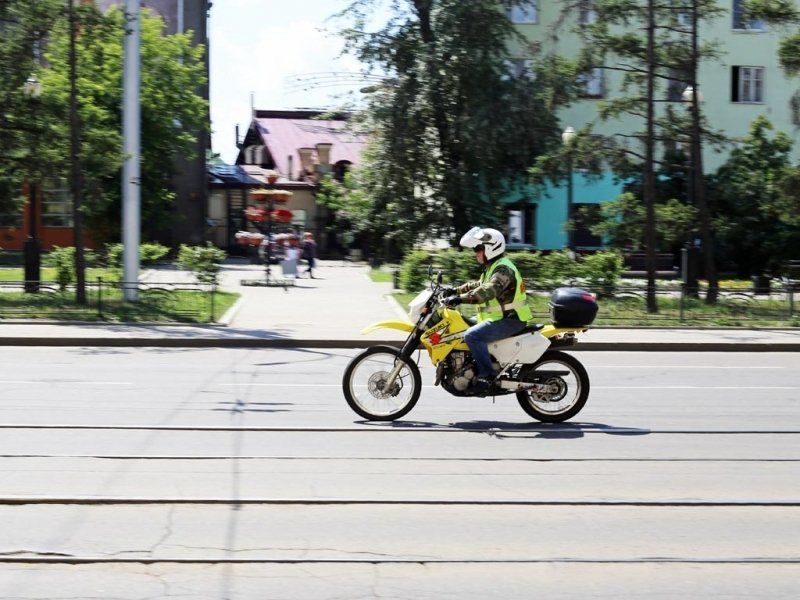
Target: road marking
(678, 367)
(62, 382)
(695, 387)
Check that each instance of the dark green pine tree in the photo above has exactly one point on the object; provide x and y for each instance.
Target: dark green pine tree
(656, 48)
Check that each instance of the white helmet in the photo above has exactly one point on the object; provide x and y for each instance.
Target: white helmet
(493, 242)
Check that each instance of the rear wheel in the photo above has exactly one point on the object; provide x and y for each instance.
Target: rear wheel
(561, 392)
(365, 379)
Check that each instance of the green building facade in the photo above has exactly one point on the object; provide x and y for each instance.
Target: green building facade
(745, 82)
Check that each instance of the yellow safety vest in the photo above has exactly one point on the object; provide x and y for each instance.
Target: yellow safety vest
(493, 310)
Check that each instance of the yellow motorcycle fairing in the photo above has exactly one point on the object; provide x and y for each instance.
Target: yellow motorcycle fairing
(551, 331)
(445, 336)
(399, 325)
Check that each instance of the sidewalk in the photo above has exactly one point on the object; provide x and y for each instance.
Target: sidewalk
(331, 310)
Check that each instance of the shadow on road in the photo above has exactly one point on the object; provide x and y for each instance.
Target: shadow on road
(499, 428)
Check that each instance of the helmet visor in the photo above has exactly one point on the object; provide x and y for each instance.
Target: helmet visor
(472, 238)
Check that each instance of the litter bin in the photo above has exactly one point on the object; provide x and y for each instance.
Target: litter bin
(761, 284)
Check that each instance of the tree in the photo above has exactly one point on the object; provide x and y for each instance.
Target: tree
(24, 26)
(758, 203)
(452, 129)
(623, 222)
(653, 49)
(171, 69)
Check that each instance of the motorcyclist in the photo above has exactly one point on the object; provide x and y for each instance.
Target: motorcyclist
(500, 294)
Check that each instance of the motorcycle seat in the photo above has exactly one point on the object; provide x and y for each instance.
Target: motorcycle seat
(529, 328)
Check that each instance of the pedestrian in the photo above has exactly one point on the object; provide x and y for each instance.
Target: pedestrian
(292, 257)
(309, 252)
(500, 294)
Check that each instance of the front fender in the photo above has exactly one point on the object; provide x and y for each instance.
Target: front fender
(399, 325)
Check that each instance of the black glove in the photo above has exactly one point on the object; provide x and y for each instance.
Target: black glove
(453, 301)
(447, 291)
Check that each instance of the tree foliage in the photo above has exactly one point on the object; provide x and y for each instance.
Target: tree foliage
(24, 26)
(758, 202)
(654, 48)
(452, 129)
(171, 70)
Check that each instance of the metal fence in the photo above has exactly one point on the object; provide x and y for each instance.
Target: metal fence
(777, 304)
(157, 302)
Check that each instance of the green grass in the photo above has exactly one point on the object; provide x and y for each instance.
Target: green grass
(180, 306)
(17, 274)
(381, 275)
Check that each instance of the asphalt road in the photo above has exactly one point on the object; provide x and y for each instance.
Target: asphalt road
(133, 473)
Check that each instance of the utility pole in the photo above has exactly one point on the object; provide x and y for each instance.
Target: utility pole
(131, 170)
(75, 162)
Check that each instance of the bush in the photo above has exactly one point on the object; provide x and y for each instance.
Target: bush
(559, 268)
(530, 265)
(152, 252)
(414, 272)
(204, 261)
(63, 260)
(603, 271)
(148, 254)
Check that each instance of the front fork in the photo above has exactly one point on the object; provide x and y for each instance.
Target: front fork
(412, 343)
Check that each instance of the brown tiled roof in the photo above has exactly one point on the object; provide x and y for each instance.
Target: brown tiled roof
(285, 132)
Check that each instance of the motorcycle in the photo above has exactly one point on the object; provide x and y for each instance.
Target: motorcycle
(383, 383)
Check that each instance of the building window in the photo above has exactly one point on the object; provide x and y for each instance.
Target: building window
(522, 225)
(519, 67)
(299, 219)
(524, 13)
(56, 204)
(586, 12)
(747, 84)
(740, 22)
(593, 83)
(10, 212)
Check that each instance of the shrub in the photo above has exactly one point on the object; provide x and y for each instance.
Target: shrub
(204, 261)
(63, 260)
(559, 268)
(414, 272)
(530, 265)
(457, 266)
(152, 252)
(603, 271)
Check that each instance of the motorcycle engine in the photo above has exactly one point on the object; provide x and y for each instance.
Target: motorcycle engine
(460, 372)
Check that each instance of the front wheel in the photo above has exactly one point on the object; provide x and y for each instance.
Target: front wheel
(561, 390)
(365, 380)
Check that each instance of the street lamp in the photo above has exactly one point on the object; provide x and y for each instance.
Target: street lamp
(689, 253)
(32, 250)
(567, 137)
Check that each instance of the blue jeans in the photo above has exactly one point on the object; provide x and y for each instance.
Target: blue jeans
(479, 336)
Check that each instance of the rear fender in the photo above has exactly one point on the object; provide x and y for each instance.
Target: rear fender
(399, 325)
(551, 331)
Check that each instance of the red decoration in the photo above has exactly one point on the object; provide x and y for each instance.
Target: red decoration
(281, 215)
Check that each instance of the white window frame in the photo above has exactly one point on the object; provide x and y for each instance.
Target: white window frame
(520, 67)
(739, 24)
(749, 84)
(525, 14)
(56, 204)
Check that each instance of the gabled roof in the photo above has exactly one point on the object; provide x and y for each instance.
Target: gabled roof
(285, 132)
